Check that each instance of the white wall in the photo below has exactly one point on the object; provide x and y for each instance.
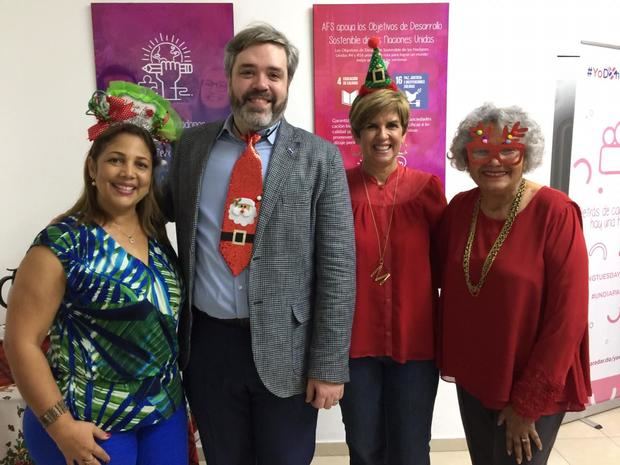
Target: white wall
(500, 50)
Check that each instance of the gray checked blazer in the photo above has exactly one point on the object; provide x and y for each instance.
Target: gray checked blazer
(302, 273)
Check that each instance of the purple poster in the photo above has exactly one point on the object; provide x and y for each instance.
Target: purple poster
(176, 49)
(413, 43)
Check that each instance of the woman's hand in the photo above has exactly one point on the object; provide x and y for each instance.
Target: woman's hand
(520, 433)
(76, 441)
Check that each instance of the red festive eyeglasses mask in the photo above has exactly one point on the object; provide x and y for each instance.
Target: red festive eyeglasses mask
(480, 150)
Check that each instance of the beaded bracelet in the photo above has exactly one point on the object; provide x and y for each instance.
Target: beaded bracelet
(53, 413)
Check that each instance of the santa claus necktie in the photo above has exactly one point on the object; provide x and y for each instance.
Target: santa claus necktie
(241, 208)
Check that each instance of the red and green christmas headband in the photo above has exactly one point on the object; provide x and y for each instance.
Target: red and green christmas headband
(126, 102)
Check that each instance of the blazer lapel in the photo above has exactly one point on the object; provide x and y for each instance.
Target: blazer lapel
(285, 152)
(205, 140)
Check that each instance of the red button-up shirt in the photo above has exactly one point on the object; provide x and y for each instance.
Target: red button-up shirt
(395, 319)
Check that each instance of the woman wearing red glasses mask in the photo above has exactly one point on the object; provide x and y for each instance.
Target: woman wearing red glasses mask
(514, 304)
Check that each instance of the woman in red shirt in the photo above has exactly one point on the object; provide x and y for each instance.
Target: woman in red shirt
(388, 405)
(514, 299)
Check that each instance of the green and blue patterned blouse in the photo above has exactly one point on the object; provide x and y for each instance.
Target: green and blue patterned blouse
(113, 344)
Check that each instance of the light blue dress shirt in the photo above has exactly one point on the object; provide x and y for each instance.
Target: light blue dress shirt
(216, 291)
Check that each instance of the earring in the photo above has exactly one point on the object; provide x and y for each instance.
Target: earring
(403, 149)
(359, 157)
(92, 183)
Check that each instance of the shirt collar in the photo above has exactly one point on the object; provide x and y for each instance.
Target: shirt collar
(271, 132)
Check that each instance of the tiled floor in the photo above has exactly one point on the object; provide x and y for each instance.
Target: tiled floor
(577, 444)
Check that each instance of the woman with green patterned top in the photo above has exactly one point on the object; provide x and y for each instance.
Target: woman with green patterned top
(103, 281)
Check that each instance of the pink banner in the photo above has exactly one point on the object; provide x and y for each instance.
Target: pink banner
(414, 44)
(176, 49)
(595, 186)
(605, 389)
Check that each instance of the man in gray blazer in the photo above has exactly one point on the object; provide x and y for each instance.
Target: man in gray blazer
(270, 345)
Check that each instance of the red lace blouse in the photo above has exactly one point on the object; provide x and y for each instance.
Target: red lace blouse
(524, 339)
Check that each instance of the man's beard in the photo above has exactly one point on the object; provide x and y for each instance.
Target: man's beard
(257, 120)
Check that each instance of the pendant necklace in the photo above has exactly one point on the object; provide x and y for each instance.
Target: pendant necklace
(130, 237)
(380, 274)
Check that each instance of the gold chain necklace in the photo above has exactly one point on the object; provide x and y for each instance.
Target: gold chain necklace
(380, 274)
(130, 237)
(474, 289)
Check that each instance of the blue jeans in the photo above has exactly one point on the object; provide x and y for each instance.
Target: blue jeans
(387, 410)
(165, 443)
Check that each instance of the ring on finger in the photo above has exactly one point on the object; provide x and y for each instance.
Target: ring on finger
(525, 439)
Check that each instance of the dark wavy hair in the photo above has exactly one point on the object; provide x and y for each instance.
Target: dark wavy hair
(87, 209)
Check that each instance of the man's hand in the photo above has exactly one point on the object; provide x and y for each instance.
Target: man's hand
(323, 394)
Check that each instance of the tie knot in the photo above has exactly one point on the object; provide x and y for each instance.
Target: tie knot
(252, 138)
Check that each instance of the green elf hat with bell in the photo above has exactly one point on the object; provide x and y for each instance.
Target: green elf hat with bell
(377, 76)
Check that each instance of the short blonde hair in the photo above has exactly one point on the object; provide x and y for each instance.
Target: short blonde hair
(365, 108)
